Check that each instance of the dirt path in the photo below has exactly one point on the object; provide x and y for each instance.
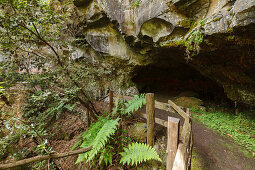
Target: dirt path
(214, 151)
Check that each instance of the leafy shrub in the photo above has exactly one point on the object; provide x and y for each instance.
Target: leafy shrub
(43, 105)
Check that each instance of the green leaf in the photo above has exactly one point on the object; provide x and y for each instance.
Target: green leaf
(138, 153)
(97, 136)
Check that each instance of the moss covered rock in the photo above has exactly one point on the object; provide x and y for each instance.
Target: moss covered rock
(138, 132)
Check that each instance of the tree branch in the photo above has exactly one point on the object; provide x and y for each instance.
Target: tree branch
(44, 157)
(88, 105)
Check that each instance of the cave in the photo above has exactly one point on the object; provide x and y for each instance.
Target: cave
(172, 75)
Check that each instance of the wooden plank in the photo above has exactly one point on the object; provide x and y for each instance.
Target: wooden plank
(188, 166)
(161, 105)
(87, 118)
(123, 97)
(190, 147)
(183, 153)
(150, 111)
(157, 120)
(165, 106)
(179, 110)
(172, 141)
(110, 101)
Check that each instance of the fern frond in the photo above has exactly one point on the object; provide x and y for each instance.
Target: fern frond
(135, 104)
(138, 153)
(105, 156)
(97, 136)
(102, 137)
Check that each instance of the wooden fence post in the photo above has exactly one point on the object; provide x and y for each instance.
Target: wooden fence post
(87, 118)
(172, 141)
(110, 101)
(150, 111)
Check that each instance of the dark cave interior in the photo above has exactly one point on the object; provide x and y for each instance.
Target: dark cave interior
(171, 77)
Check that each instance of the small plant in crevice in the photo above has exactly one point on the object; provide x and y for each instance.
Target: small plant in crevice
(110, 142)
(193, 42)
(137, 3)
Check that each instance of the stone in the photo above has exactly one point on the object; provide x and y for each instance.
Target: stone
(81, 3)
(189, 102)
(139, 132)
(126, 35)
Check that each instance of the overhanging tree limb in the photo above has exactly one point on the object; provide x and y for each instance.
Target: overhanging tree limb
(44, 157)
(89, 105)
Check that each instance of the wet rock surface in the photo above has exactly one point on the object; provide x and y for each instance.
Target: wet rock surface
(216, 38)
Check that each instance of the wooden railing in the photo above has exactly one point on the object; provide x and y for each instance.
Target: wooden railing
(179, 144)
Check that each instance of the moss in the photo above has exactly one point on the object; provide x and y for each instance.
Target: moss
(174, 43)
(230, 37)
(81, 3)
(217, 19)
(186, 23)
(202, 22)
(192, 43)
(229, 8)
(197, 161)
(137, 3)
(230, 30)
(207, 42)
(195, 38)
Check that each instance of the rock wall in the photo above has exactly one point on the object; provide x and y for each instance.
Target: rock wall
(215, 37)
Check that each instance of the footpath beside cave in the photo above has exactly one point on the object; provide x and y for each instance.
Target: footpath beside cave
(212, 151)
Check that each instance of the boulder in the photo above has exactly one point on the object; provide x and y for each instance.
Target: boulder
(138, 132)
(189, 102)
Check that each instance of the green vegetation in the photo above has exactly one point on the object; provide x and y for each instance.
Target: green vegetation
(241, 128)
(42, 80)
(109, 140)
(137, 3)
(192, 43)
(138, 153)
(187, 23)
(202, 22)
(98, 136)
(217, 19)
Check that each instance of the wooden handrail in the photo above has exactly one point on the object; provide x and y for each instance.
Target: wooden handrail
(123, 97)
(157, 120)
(179, 110)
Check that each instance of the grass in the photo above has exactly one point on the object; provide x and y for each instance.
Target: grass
(241, 127)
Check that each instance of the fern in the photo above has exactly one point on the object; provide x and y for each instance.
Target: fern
(125, 108)
(134, 105)
(137, 153)
(97, 136)
(106, 155)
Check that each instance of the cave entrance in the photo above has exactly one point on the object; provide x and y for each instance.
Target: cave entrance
(173, 78)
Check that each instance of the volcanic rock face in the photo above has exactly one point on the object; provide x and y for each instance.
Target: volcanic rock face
(215, 37)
